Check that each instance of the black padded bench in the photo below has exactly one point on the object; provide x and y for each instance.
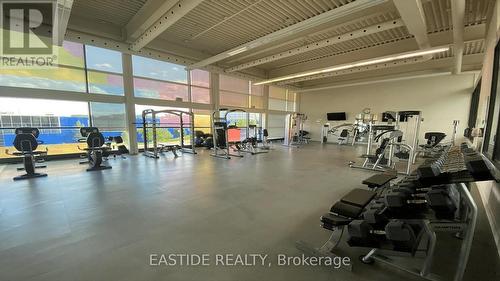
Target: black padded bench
(379, 180)
(347, 209)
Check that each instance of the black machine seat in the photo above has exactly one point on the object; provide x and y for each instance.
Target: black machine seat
(86, 131)
(95, 140)
(25, 143)
(28, 130)
(433, 138)
(358, 197)
(346, 210)
(330, 220)
(379, 180)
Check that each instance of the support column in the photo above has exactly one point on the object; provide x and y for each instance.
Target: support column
(128, 84)
(265, 104)
(214, 91)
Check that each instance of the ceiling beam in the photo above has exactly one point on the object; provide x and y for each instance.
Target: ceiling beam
(457, 15)
(475, 32)
(321, 44)
(175, 13)
(312, 22)
(150, 12)
(162, 55)
(89, 26)
(63, 12)
(412, 13)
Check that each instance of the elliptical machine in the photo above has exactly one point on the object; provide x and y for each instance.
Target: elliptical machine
(95, 148)
(26, 144)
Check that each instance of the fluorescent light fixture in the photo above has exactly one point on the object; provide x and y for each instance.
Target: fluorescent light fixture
(401, 56)
(237, 51)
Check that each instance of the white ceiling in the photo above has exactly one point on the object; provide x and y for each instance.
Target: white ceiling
(215, 26)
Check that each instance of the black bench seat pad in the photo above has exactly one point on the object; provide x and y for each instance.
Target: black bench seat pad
(334, 220)
(346, 210)
(379, 179)
(358, 197)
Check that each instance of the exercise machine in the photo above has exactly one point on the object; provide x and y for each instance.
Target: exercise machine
(26, 144)
(251, 143)
(361, 126)
(95, 148)
(342, 132)
(151, 123)
(221, 133)
(295, 135)
(391, 143)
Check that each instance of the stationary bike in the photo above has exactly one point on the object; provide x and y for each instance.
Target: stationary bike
(95, 148)
(26, 144)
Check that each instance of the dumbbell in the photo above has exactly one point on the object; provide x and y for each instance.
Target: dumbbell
(362, 230)
(437, 198)
(398, 232)
(440, 202)
(399, 198)
(375, 214)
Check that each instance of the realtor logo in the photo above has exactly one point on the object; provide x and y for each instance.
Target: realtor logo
(27, 34)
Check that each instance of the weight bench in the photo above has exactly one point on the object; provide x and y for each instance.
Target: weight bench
(341, 214)
(379, 180)
(347, 209)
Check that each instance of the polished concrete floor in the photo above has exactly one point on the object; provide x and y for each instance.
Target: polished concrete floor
(77, 225)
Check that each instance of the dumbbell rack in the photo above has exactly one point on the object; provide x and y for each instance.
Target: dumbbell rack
(465, 226)
(452, 170)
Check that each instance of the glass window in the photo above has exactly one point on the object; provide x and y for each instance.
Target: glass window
(277, 98)
(257, 102)
(71, 54)
(168, 131)
(275, 104)
(276, 125)
(257, 90)
(232, 84)
(103, 59)
(108, 115)
(291, 101)
(490, 147)
(232, 99)
(200, 95)
(110, 118)
(155, 69)
(61, 78)
(277, 93)
(145, 88)
(200, 78)
(55, 117)
(255, 119)
(105, 83)
(238, 119)
(202, 121)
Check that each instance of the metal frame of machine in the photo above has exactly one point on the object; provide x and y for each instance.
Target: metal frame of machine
(294, 128)
(412, 147)
(155, 151)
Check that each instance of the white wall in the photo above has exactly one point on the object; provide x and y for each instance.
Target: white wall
(490, 191)
(441, 99)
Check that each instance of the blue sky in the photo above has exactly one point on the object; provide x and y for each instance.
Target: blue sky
(103, 59)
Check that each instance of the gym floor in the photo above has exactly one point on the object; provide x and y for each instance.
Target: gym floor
(77, 225)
